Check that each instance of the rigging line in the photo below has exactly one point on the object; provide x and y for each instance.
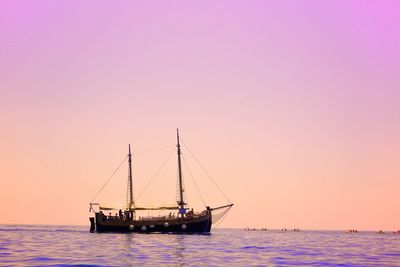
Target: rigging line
(191, 175)
(204, 169)
(108, 180)
(152, 149)
(223, 218)
(155, 175)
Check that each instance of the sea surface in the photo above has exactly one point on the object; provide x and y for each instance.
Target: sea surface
(76, 246)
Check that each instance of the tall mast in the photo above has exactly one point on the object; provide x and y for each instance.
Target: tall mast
(181, 201)
(130, 190)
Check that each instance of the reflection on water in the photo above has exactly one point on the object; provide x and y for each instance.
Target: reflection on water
(72, 246)
(179, 249)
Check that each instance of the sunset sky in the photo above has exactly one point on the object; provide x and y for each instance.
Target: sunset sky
(292, 106)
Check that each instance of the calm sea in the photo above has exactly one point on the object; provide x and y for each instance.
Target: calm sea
(75, 246)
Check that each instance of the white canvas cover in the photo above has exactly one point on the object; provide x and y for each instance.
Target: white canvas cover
(139, 206)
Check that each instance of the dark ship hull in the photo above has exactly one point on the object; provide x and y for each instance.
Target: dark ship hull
(196, 224)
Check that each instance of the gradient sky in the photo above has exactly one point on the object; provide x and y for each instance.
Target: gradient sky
(292, 106)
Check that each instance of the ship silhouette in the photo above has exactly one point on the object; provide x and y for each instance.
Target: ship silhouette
(126, 220)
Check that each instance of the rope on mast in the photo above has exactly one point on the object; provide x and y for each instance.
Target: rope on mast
(195, 184)
(155, 175)
(204, 169)
(181, 200)
(108, 180)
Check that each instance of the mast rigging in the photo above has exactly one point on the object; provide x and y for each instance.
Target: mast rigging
(181, 201)
(130, 189)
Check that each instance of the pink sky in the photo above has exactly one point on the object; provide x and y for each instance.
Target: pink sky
(293, 106)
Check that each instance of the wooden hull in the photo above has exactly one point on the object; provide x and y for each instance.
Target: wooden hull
(196, 224)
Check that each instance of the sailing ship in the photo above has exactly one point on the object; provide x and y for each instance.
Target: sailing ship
(125, 220)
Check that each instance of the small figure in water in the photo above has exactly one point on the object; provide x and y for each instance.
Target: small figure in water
(120, 214)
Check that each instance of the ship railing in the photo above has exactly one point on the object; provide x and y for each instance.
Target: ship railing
(152, 218)
(172, 216)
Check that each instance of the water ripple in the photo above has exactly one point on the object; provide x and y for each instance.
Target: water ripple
(75, 246)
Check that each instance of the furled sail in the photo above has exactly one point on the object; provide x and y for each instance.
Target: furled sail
(103, 206)
(136, 206)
